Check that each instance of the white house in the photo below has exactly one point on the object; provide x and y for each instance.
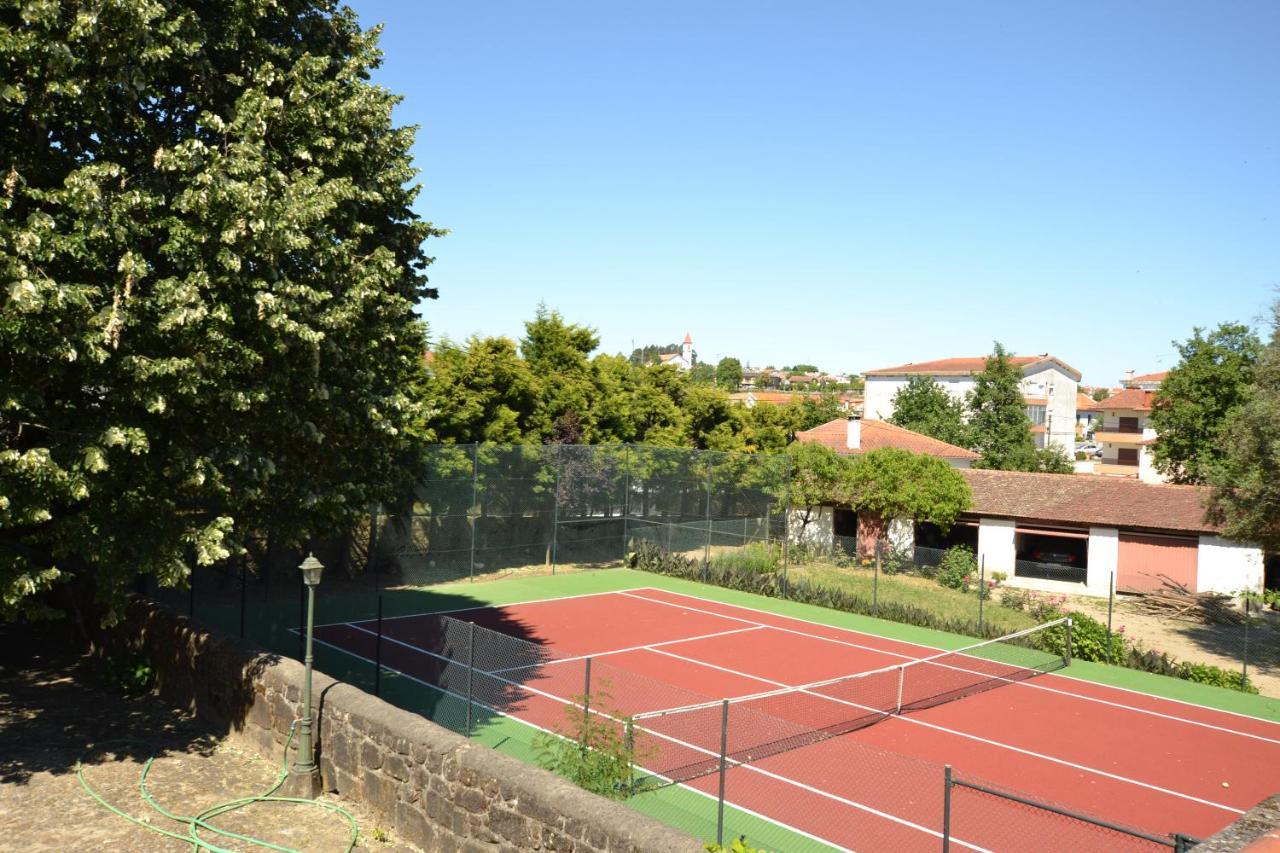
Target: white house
(1125, 432)
(682, 360)
(1049, 387)
(1066, 533)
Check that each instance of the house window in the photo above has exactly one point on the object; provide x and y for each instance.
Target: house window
(1036, 414)
(1127, 456)
(1129, 425)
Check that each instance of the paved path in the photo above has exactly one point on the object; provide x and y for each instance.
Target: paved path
(50, 712)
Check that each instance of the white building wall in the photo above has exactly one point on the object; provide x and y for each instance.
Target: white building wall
(1226, 566)
(996, 549)
(901, 534)
(1104, 560)
(819, 533)
(879, 390)
(1059, 389)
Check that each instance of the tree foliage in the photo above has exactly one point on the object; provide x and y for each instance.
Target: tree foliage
(211, 266)
(1001, 429)
(924, 406)
(1197, 401)
(893, 483)
(1245, 480)
(729, 373)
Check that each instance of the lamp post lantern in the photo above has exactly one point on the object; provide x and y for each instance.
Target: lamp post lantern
(304, 768)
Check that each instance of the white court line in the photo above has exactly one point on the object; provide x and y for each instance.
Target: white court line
(545, 730)
(749, 767)
(1029, 684)
(650, 646)
(1082, 767)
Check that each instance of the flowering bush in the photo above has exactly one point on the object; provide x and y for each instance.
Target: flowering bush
(957, 568)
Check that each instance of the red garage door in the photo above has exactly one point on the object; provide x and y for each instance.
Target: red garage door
(1146, 560)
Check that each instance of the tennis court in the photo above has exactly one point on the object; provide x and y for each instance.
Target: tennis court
(856, 763)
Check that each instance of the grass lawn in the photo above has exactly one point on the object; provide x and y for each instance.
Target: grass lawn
(914, 591)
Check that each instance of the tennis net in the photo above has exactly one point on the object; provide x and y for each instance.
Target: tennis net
(685, 742)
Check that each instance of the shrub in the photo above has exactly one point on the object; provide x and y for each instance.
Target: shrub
(128, 671)
(739, 845)
(1014, 598)
(958, 568)
(591, 751)
(754, 558)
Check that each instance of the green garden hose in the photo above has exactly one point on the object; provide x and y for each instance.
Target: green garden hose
(200, 822)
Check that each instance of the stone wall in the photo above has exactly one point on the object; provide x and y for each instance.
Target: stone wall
(1257, 832)
(437, 789)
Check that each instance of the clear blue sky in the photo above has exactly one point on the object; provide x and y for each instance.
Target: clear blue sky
(851, 184)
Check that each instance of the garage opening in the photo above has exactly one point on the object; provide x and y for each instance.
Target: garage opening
(1051, 554)
(931, 543)
(844, 526)
(1271, 572)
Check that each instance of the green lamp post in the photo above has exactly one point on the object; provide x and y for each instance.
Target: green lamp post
(305, 765)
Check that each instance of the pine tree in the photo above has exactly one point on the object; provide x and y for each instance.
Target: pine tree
(1001, 429)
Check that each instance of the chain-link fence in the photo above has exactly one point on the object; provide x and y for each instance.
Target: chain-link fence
(486, 509)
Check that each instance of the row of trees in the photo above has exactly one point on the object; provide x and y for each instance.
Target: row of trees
(549, 387)
(991, 420)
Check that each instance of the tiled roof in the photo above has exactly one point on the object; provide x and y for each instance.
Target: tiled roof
(1083, 499)
(688, 338)
(1149, 377)
(1085, 403)
(668, 356)
(1036, 401)
(966, 366)
(1129, 398)
(878, 434)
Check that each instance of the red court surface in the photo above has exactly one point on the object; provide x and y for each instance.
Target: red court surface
(1158, 765)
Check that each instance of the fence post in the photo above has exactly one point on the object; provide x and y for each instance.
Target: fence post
(982, 589)
(377, 655)
(1067, 655)
(1111, 601)
(1244, 672)
(724, 748)
(475, 503)
(875, 580)
(626, 499)
(786, 532)
(946, 808)
(629, 750)
(706, 549)
(555, 510)
(244, 590)
(471, 669)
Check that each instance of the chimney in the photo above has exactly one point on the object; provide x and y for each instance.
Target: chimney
(854, 439)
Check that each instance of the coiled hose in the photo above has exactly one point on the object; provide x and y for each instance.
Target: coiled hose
(200, 822)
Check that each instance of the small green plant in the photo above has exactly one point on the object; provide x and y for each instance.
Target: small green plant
(958, 568)
(999, 577)
(756, 557)
(129, 671)
(380, 835)
(739, 845)
(594, 750)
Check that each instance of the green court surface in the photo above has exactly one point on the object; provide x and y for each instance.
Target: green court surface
(272, 621)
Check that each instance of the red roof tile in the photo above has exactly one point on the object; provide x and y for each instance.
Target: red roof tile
(877, 435)
(1085, 403)
(1082, 499)
(965, 366)
(1129, 398)
(1149, 377)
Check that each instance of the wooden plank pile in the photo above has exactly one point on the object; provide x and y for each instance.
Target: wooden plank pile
(1175, 601)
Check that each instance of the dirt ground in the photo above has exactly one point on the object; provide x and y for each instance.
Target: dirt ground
(52, 712)
(1222, 645)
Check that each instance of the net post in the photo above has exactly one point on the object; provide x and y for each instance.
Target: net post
(724, 748)
(475, 500)
(377, 654)
(902, 677)
(471, 669)
(1066, 656)
(946, 808)
(586, 703)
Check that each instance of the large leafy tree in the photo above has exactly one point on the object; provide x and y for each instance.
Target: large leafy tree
(557, 352)
(1245, 494)
(1198, 399)
(210, 267)
(729, 373)
(818, 476)
(892, 483)
(924, 406)
(998, 417)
